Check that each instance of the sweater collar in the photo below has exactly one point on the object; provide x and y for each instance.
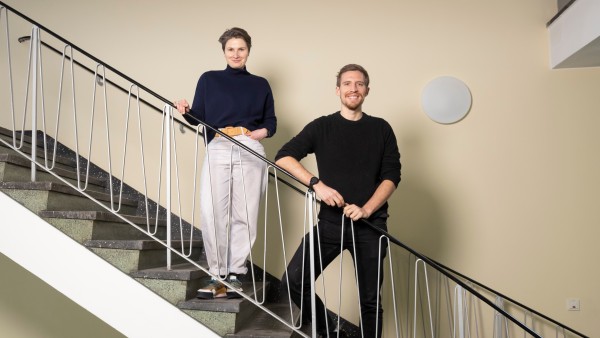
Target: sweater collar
(236, 70)
(340, 117)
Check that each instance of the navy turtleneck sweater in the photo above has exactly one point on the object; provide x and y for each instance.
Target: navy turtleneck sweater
(233, 97)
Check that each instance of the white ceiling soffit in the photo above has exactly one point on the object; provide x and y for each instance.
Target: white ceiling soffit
(575, 36)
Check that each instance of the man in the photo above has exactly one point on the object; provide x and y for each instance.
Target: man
(359, 167)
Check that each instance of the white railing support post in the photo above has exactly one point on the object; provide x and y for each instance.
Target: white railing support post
(311, 236)
(460, 309)
(499, 318)
(168, 117)
(35, 50)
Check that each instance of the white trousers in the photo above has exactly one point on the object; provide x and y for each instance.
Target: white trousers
(230, 195)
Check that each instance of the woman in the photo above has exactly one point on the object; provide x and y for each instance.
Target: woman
(240, 105)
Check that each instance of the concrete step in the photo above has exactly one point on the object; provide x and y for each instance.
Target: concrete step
(182, 281)
(25, 147)
(15, 168)
(65, 162)
(134, 255)
(60, 162)
(128, 248)
(39, 196)
(224, 316)
(175, 285)
(83, 226)
(263, 325)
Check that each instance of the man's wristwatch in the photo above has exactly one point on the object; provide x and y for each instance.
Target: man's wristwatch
(313, 180)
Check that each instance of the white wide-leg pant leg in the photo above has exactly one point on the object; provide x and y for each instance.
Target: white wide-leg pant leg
(230, 205)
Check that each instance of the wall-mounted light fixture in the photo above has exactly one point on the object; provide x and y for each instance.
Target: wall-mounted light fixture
(446, 100)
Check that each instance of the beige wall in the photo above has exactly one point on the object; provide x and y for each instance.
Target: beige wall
(507, 196)
(31, 308)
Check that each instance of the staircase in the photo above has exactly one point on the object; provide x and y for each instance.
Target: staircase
(128, 249)
(119, 273)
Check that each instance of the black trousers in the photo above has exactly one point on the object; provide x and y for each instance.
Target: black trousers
(367, 257)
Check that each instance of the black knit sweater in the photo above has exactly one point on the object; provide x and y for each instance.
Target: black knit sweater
(353, 157)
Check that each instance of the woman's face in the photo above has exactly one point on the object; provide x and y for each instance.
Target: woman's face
(236, 53)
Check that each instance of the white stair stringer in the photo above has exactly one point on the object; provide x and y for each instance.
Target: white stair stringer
(87, 279)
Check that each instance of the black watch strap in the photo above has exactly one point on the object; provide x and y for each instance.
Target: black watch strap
(313, 180)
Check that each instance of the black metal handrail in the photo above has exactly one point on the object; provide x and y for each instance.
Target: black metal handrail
(441, 268)
(184, 125)
(511, 300)
(26, 38)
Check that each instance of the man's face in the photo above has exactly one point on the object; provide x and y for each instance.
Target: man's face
(236, 53)
(352, 90)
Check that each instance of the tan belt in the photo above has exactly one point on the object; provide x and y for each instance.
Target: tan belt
(233, 131)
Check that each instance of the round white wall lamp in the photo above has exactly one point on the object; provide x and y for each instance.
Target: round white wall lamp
(446, 99)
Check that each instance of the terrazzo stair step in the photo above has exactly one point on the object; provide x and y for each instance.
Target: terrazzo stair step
(63, 165)
(176, 284)
(264, 325)
(127, 247)
(15, 168)
(133, 255)
(224, 316)
(60, 161)
(39, 196)
(83, 226)
(25, 147)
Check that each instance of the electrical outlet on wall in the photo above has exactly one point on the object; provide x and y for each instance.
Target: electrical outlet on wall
(573, 304)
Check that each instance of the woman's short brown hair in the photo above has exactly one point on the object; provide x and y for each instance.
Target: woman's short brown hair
(237, 33)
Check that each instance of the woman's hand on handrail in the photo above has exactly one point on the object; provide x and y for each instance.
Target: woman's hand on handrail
(182, 106)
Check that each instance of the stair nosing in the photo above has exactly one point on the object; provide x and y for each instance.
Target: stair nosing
(134, 244)
(103, 216)
(62, 172)
(59, 158)
(216, 305)
(65, 189)
(183, 271)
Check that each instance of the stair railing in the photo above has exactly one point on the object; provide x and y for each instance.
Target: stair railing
(462, 313)
(100, 79)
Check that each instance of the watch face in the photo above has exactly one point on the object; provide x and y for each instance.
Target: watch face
(313, 181)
